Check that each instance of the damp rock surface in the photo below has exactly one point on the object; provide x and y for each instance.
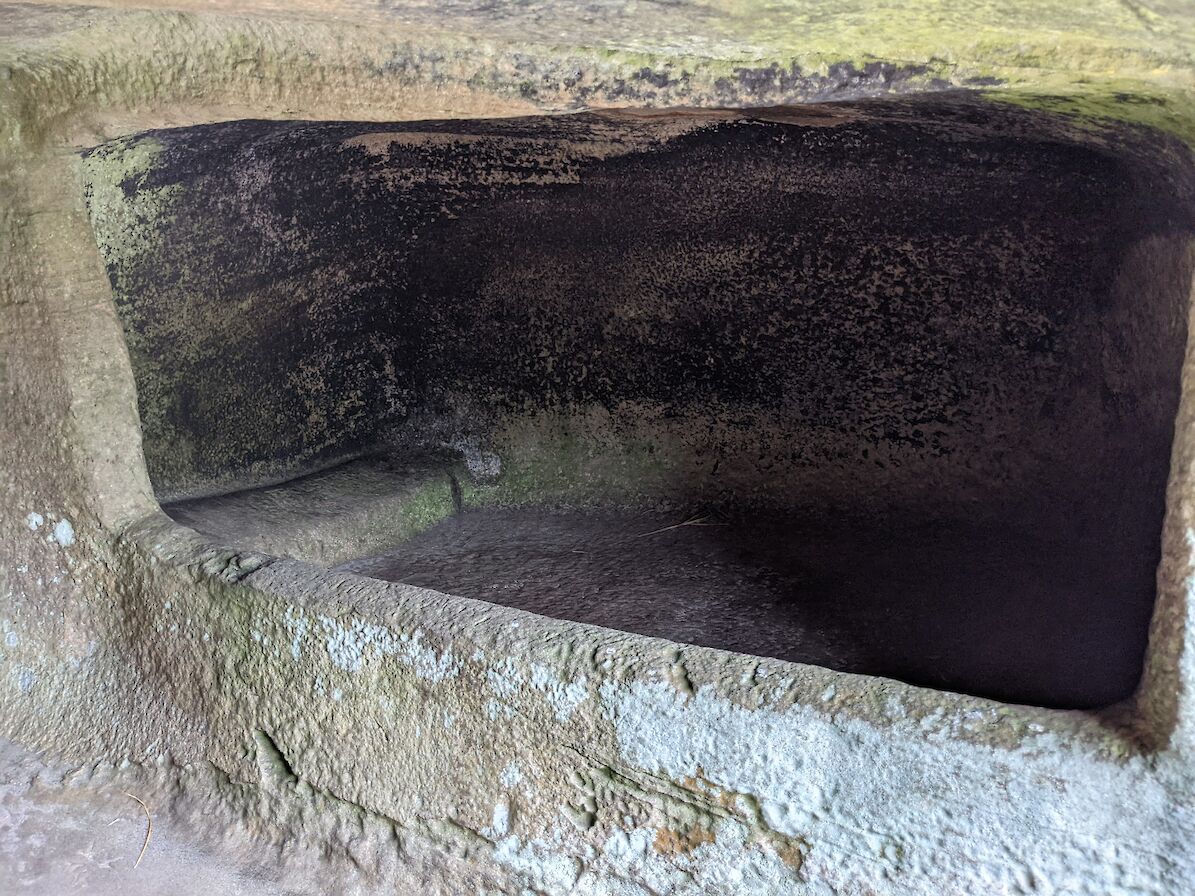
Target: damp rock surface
(913, 299)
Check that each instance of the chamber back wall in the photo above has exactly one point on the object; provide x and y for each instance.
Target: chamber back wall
(935, 304)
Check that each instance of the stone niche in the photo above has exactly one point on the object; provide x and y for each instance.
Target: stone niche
(883, 386)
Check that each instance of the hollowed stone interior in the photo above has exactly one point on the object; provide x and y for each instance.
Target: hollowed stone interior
(883, 386)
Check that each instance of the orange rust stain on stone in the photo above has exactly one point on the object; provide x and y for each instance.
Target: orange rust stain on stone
(671, 843)
(699, 783)
(791, 852)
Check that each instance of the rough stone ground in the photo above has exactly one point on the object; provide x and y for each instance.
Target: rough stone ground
(65, 832)
(56, 838)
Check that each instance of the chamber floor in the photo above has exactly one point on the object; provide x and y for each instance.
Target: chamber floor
(980, 609)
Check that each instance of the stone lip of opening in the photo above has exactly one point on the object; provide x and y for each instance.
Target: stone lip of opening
(932, 315)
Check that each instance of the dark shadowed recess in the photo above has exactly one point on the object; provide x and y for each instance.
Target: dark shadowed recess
(906, 370)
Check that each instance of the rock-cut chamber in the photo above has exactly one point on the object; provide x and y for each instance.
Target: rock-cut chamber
(885, 386)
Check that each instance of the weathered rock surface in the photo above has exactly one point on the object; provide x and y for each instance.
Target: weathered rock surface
(472, 746)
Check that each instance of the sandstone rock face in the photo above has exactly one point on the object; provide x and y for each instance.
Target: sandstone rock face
(937, 261)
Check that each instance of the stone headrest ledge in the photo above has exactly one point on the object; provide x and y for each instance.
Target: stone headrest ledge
(638, 449)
